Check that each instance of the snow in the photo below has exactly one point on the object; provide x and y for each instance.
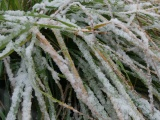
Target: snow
(16, 19)
(134, 6)
(30, 47)
(73, 20)
(93, 101)
(142, 34)
(8, 48)
(123, 106)
(42, 105)
(150, 13)
(15, 13)
(90, 39)
(39, 6)
(53, 72)
(125, 33)
(2, 37)
(85, 1)
(115, 91)
(55, 3)
(94, 67)
(33, 80)
(146, 109)
(9, 71)
(27, 95)
(15, 45)
(15, 26)
(16, 97)
(60, 62)
(26, 104)
(127, 109)
(91, 78)
(11, 115)
(131, 19)
(5, 31)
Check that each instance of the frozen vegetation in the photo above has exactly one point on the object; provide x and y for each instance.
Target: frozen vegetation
(82, 60)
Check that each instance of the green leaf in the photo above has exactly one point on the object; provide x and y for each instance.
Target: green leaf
(123, 69)
(2, 115)
(5, 41)
(100, 1)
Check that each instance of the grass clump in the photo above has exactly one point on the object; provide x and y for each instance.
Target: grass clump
(80, 60)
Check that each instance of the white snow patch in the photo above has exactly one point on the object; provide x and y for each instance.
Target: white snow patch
(15, 13)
